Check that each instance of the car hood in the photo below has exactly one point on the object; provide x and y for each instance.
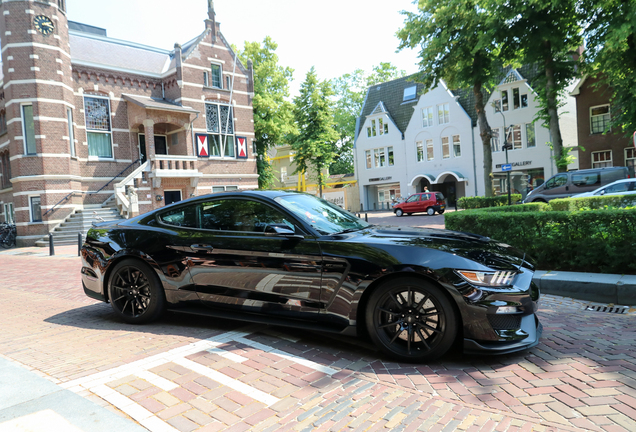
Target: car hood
(483, 250)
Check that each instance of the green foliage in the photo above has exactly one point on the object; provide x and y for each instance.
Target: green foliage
(531, 207)
(458, 42)
(482, 202)
(611, 44)
(313, 115)
(593, 203)
(350, 90)
(597, 241)
(273, 119)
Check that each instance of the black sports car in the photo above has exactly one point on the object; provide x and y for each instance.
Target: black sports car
(288, 258)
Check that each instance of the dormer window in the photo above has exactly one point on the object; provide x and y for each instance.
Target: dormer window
(410, 93)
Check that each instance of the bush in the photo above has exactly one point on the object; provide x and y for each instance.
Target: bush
(595, 202)
(483, 202)
(531, 207)
(597, 241)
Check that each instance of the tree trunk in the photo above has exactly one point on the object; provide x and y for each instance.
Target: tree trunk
(552, 102)
(486, 134)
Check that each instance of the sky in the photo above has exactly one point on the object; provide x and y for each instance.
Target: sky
(335, 36)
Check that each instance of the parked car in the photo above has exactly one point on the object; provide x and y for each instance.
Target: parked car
(619, 187)
(567, 184)
(288, 258)
(429, 202)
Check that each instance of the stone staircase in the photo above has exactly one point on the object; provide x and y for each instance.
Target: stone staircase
(81, 221)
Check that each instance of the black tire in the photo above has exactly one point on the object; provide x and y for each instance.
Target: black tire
(441, 211)
(8, 241)
(430, 211)
(135, 292)
(426, 319)
(399, 212)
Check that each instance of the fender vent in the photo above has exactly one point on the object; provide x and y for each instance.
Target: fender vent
(504, 322)
(608, 309)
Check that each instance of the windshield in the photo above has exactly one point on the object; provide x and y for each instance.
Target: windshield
(323, 216)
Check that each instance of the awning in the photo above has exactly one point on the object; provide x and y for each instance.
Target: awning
(158, 104)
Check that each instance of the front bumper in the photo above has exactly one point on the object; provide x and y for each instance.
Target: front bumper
(530, 326)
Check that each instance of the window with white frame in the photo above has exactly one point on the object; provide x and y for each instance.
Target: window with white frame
(5, 167)
(216, 76)
(516, 101)
(410, 93)
(531, 140)
(220, 125)
(228, 82)
(599, 118)
(380, 126)
(420, 151)
(457, 146)
(514, 136)
(390, 157)
(494, 141)
(443, 114)
(216, 189)
(369, 131)
(9, 214)
(524, 101)
(206, 79)
(373, 131)
(630, 159)
(28, 129)
(381, 196)
(380, 157)
(504, 100)
(98, 127)
(35, 208)
(427, 117)
(71, 134)
(283, 174)
(445, 148)
(367, 156)
(430, 153)
(602, 159)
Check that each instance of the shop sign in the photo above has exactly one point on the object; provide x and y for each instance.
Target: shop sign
(380, 179)
(515, 164)
(338, 198)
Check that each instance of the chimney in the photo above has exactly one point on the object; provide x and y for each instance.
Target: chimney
(178, 63)
(210, 23)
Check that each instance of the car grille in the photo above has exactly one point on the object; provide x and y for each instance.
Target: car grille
(505, 322)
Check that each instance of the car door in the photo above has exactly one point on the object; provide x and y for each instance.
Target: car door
(556, 187)
(411, 204)
(240, 262)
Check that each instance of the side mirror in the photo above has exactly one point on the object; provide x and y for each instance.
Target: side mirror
(282, 231)
(603, 192)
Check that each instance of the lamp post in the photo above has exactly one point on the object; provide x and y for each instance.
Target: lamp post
(507, 146)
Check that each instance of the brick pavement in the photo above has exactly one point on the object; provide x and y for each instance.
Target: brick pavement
(193, 373)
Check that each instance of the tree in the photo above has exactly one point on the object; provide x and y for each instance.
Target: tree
(610, 56)
(546, 33)
(457, 41)
(350, 90)
(314, 118)
(273, 118)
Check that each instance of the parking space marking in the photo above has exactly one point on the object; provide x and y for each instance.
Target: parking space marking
(157, 381)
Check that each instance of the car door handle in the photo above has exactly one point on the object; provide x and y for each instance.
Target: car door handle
(202, 247)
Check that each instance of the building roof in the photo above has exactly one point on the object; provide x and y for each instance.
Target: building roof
(158, 104)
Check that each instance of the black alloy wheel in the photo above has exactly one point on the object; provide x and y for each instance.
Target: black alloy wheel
(399, 212)
(135, 292)
(411, 320)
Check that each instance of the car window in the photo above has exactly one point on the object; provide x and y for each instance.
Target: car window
(413, 198)
(439, 195)
(181, 217)
(556, 181)
(589, 179)
(240, 215)
(618, 187)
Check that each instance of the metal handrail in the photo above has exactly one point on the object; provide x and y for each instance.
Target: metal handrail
(111, 180)
(61, 201)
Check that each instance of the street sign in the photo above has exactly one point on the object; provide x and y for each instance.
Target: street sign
(506, 167)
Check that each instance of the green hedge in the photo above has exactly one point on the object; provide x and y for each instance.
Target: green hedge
(597, 241)
(483, 202)
(591, 203)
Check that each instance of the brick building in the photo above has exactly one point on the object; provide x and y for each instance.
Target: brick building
(603, 148)
(83, 117)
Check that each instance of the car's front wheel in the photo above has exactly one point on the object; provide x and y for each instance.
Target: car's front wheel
(135, 292)
(411, 320)
(430, 211)
(399, 212)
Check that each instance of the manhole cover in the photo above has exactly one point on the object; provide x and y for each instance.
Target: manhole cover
(608, 309)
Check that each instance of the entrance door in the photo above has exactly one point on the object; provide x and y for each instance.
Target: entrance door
(172, 196)
(161, 147)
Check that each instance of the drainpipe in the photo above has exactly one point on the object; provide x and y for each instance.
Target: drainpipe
(163, 91)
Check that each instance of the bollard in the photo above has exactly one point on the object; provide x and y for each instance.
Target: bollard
(361, 207)
(51, 247)
(79, 244)
(366, 217)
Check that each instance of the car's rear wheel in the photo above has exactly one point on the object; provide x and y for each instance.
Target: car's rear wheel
(411, 320)
(135, 292)
(441, 211)
(430, 211)
(399, 212)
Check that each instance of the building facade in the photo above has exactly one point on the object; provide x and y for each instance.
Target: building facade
(89, 117)
(603, 147)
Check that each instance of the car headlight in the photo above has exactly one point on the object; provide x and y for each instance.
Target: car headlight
(490, 279)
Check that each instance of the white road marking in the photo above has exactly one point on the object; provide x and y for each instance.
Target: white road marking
(156, 380)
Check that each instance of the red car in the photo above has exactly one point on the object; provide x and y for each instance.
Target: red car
(429, 202)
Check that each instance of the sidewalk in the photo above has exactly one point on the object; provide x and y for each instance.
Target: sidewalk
(30, 403)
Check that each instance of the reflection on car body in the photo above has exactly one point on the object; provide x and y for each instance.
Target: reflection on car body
(292, 259)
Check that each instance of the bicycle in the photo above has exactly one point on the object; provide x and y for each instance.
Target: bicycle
(7, 235)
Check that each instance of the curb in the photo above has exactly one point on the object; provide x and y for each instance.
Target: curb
(596, 287)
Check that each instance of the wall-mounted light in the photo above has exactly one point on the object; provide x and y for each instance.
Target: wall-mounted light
(159, 198)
